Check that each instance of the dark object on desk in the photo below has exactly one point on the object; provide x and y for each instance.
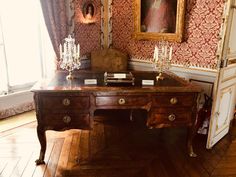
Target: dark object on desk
(62, 105)
(118, 78)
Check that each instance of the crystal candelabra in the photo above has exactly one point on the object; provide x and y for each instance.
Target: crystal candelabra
(162, 60)
(69, 56)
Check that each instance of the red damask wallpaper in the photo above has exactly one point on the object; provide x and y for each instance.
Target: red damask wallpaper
(88, 35)
(202, 25)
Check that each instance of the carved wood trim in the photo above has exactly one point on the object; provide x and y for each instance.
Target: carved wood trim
(106, 23)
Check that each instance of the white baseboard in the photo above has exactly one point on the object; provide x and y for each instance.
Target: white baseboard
(200, 74)
(205, 78)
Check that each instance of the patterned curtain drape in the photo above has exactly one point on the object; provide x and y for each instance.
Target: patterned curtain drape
(54, 12)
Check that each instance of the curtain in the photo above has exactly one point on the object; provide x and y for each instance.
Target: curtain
(54, 12)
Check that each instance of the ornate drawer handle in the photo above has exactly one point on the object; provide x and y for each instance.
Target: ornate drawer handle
(121, 101)
(171, 117)
(173, 100)
(66, 102)
(66, 119)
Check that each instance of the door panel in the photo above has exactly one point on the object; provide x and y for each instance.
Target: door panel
(222, 118)
(225, 84)
(222, 113)
(228, 74)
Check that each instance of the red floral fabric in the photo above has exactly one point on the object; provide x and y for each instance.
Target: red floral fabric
(87, 35)
(201, 33)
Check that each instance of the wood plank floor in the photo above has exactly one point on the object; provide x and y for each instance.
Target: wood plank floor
(117, 148)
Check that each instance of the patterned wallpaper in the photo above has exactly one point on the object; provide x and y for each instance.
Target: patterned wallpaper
(88, 35)
(202, 25)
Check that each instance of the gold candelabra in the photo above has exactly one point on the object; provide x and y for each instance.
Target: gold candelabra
(162, 60)
(69, 56)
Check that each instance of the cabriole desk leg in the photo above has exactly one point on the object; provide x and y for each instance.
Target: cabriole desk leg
(191, 135)
(42, 139)
(192, 131)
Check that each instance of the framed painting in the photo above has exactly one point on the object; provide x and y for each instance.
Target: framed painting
(159, 20)
(89, 12)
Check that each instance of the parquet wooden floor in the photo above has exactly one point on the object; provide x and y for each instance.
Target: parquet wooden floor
(117, 148)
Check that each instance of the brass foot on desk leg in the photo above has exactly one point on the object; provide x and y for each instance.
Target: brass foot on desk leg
(39, 162)
(191, 135)
(192, 154)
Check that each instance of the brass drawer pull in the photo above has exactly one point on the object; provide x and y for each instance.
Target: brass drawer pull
(171, 117)
(66, 102)
(121, 101)
(173, 100)
(66, 119)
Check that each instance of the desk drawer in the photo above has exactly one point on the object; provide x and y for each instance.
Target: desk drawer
(72, 120)
(170, 116)
(122, 100)
(65, 102)
(173, 100)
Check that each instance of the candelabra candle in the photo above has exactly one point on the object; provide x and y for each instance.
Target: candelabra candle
(69, 56)
(162, 60)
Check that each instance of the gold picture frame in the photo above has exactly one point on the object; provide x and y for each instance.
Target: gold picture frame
(146, 10)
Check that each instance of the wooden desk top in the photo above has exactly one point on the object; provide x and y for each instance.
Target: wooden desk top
(171, 83)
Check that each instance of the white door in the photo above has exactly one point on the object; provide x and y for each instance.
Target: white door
(225, 84)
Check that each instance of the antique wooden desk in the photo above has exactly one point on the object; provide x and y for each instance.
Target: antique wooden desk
(65, 104)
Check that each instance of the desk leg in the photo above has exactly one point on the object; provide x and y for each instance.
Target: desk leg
(42, 139)
(192, 131)
(191, 135)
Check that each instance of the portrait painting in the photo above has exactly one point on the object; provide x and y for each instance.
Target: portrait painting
(88, 11)
(159, 19)
(158, 16)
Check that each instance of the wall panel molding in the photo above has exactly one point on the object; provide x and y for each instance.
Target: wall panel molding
(106, 23)
(188, 73)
